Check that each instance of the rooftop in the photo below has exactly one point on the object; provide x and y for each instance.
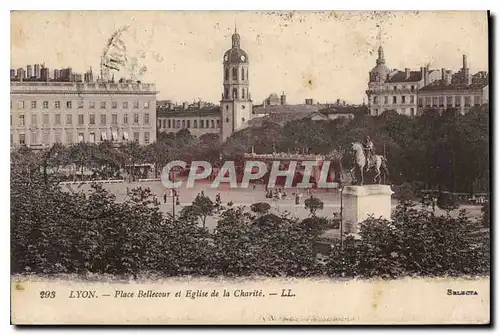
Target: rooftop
(440, 85)
(400, 77)
(181, 112)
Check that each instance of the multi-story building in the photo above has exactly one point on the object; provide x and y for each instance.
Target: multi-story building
(44, 113)
(199, 121)
(460, 90)
(396, 90)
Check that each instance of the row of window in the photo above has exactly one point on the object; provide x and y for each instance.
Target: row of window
(36, 139)
(235, 94)
(80, 104)
(394, 100)
(234, 74)
(401, 111)
(69, 119)
(440, 101)
(171, 123)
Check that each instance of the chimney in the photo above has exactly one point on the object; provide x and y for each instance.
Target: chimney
(426, 75)
(443, 74)
(338, 101)
(407, 73)
(185, 105)
(283, 99)
(466, 73)
(464, 59)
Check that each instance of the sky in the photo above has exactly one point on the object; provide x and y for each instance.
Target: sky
(320, 55)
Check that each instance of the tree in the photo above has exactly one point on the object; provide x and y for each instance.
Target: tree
(203, 207)
(313, 204)
(260, 208)
(447, 202)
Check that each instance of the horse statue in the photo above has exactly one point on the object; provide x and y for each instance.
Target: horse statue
(377, 162)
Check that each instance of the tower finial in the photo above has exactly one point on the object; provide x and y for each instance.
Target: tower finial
(235, 28)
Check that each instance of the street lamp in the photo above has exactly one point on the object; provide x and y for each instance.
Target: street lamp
(341, 189)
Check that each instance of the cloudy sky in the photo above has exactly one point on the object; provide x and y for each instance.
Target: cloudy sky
(323, 55)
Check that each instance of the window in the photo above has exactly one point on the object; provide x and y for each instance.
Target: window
(22, 139)
(114, 104)
(170, 123)
(243, 94)
(68, 104)
(69, 119)
(404, 87)
(91, 104)
(195, 124)
(114, 118)
(136, 104)
(227, 107)
(202, 123)
(125, 118)
(226, 74)
(386, 100)
(136, 136)
(467, 101)
(412, 112)
(45, 119)
(20, 104)
(427, 101)
(419, 102)
(91, 118)
(375, 100)
(434, 101)
(103, 104)
(458, 100)
(403, 110)
(21, 120)
(103, 118)
(33, 104)
(403, 99)
(173, 123)
(146, 118)
(412, 88)
(80, 119)
(235, 73)
(235, 93)
(146, 104)
(80, 104)
(183, 124)
(242, 119)
(227, 120)
(394, 88)
(69, 137)
(34, 137)
(441, 101)
(218, 123)
(45, 137)
(57, 138)
(412, 99)
(178, 124)
(477, 100)
(33, 119)
(394, 99)
(376, 111)
(449, 101)
(189, 123)
(81, 137)
(136, 118)
(45, 104)
(146, 137)
(242, 74)
(125, 104)
(212, 123)
(58, 120)
(226, 93)
(92, 137)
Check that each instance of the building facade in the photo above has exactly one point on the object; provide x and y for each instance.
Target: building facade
(460, 91)
(198, 121)
(236, 103)
(44, 113)
(396, 90)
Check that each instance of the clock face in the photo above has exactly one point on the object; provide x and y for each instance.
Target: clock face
(242, 58)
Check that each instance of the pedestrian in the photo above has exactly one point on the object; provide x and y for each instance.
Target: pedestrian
(297, 199)
(253, 187)
(165, 198)
(177, 201)
(202, 193)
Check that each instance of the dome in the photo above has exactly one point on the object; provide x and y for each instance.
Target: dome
(380, 71)
(235, 55)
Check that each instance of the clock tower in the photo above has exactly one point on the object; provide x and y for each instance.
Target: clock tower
(236, 106)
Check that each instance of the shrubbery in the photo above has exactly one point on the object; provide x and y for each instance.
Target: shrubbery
(53, 232)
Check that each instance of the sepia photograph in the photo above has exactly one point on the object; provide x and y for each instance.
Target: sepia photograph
(250, 167)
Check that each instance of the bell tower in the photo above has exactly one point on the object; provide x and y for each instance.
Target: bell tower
(236, 105)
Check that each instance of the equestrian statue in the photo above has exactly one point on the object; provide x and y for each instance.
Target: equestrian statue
(365, 159)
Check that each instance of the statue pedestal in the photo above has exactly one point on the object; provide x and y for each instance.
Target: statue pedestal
(360, 202)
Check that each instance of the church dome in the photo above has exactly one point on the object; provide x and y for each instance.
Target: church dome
(380, 71)
(235, 54)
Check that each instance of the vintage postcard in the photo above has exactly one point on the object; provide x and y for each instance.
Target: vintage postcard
(250, 167)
